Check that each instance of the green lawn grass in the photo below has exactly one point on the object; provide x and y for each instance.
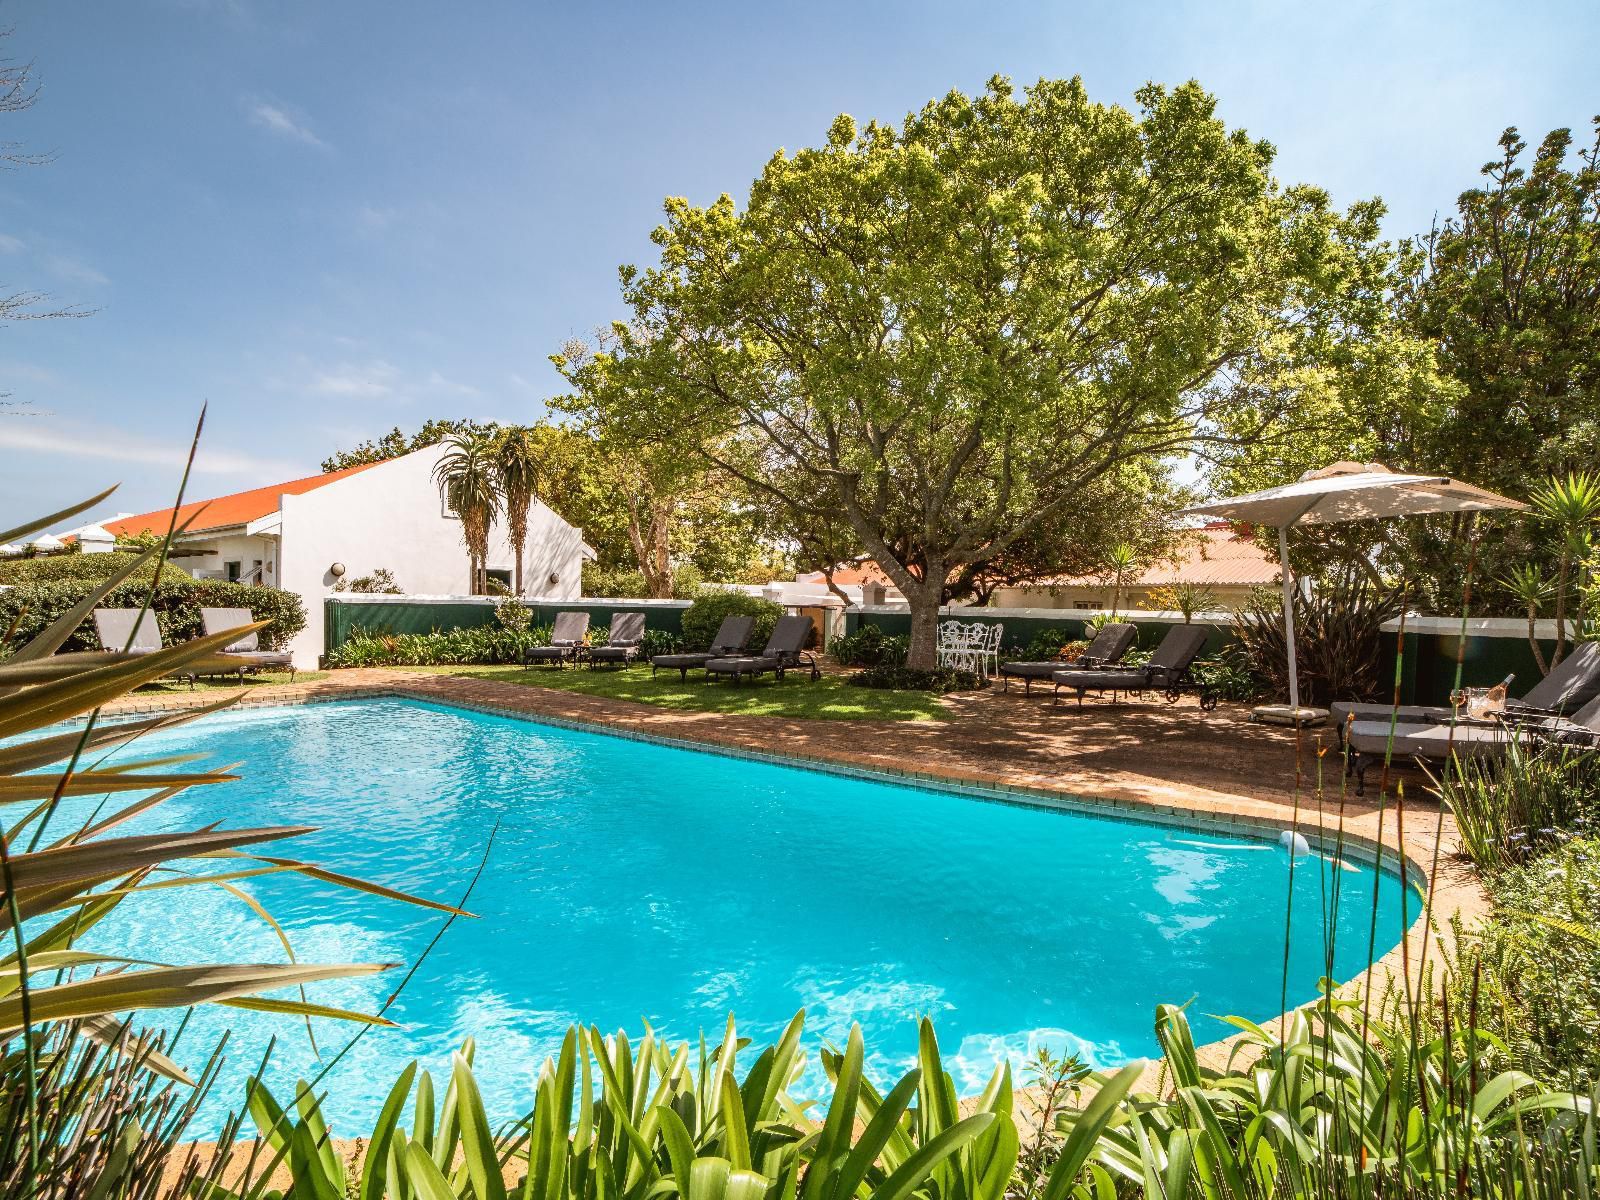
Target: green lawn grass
(231, 682)
(829, 699)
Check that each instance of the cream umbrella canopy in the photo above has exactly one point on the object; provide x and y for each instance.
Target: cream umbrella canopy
(1345, 491)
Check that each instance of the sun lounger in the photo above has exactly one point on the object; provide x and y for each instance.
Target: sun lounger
(1109, 645)
(623, 641)
(1168, 671)
(566, 640)
(133, 631)
(784, 651)
(1571, 684)
(730, 638)
(127, 630)
(1367, 743)
(248, 647)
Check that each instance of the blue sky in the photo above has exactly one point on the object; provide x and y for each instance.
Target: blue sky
(328, 218)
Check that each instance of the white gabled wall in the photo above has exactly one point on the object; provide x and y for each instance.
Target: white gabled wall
(391, 516)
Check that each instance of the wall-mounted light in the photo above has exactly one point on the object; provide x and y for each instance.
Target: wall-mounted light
(337, 570)
(554, 578)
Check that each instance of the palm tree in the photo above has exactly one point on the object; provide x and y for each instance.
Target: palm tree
(1122, 559)
(466, 480)
(1572, 505)
(516, 472)
(1532, 589)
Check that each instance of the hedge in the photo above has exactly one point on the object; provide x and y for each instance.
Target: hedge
(91, 568)
(178, 603)
(486, 645)
(701, 619)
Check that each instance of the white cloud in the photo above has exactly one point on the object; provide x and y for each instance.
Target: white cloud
(379, 379)
(357, 381)
(118, 446)
(28, 371)
(436, 382)
(9, 244)
(276, 120)
(375, 220)
(74, 270)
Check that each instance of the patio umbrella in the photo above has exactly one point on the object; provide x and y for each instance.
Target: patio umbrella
(1345, 491)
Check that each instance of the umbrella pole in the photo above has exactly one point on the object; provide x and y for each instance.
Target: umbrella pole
(1288, 621)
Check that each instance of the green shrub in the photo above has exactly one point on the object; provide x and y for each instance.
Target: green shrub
(1338, 636)
(1340, 1103)
(869, 646)
(1541, 956)
(477, 645)
(1230, 674)
(513, 615)
(380, 582)
(663, 641)
(486, 644)
(87, 568)
(177, 606)
(701, 619)
(1047, 643)
(897, 678)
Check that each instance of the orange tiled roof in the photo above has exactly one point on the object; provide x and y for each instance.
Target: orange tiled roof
(1219, 556)
(225, 511)
(863, 570)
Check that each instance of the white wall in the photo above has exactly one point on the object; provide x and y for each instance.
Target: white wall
(391, 516)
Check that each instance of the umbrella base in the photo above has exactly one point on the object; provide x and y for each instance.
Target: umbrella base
(1282, 714)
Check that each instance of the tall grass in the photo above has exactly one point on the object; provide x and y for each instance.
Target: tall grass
(1510, 810)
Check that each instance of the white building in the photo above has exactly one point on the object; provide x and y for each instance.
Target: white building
(307, 534)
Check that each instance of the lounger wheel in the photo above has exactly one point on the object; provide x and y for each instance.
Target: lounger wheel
(1208, 701)
(1172, 694)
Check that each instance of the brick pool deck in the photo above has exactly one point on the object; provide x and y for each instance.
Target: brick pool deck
(1142, 759)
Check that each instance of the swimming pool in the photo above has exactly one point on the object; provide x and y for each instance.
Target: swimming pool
(634, 881)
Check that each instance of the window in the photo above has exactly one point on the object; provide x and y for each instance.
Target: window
(232, 570)
(503, 575)
(1088, 604)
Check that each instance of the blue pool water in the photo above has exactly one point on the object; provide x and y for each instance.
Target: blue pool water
(631, 882)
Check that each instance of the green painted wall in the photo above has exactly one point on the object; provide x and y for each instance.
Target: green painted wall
(425, 616)
(1428, 667)
(1019, 631)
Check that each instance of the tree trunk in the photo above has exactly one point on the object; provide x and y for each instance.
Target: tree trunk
(660, 577)
(1561, 609)
(1533, 641)
(924, 652)
(519, 542)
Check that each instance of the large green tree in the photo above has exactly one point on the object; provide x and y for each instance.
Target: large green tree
(1503, 300)
(944, 333)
